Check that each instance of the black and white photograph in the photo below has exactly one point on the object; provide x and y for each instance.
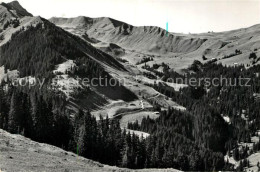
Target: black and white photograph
(129, 85)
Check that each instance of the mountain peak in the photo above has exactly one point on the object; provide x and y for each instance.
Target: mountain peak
(14, 3)
(16, 9)
(114, 22)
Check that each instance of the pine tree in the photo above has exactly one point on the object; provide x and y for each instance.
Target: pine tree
(14, 114)
(44, 121)
(125, 156)
(183, 162)
(4, 109)
(236, 154)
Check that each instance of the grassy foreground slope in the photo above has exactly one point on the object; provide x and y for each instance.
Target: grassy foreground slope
(22, 154)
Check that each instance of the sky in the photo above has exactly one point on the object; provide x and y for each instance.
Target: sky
(183, 16)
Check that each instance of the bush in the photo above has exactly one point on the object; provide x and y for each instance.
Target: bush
(2, 37)
(252, 56)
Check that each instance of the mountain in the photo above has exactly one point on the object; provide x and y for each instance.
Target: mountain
(177, 50)
(52, 47)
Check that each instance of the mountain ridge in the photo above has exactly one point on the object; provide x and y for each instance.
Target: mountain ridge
(177, 50)
(143, 38)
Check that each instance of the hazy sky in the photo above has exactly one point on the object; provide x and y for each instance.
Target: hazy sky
(182, 15)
